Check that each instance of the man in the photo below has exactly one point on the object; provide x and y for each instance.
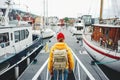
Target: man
(59, 73)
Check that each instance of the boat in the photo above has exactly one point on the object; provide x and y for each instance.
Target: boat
(46, 33)
(42, 27)
(102, 42)
(16, 41)
(77, 30)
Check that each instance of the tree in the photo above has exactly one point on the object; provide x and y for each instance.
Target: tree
(66, 19)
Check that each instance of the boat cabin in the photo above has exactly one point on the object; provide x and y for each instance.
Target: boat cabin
(110, 35)
(79, 24)
(14, 39)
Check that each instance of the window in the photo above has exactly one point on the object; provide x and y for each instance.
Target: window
(17, 36)
(4, 39)
(26, 33)
(11, 36)
(22, 35)
(79, 28)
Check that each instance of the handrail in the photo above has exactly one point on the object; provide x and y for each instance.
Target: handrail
(36, 76)
(40, 70)
(84, 68)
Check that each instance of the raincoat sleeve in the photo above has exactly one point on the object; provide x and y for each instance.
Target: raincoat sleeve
(50, 61)
(70, 60)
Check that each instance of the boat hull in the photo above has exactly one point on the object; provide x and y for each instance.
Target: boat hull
(25, 57)
(108, 60)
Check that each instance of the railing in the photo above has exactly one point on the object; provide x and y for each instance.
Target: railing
(80, 71)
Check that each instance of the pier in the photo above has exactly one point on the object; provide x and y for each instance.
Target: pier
(83, 70)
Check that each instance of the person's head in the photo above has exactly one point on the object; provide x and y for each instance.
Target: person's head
(60, 37)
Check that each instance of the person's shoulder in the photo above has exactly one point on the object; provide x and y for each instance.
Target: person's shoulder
(66, 44)
(68, 48)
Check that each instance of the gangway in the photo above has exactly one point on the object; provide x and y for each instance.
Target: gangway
(80, 71)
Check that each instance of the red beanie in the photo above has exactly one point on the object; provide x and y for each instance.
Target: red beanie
(60, 36)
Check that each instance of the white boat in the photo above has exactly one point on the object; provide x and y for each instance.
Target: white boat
(103, 43)
(47, 33)
(44, 33)
(77, 30)
(16, 39)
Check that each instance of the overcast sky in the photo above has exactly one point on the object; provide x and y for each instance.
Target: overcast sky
(64, 8)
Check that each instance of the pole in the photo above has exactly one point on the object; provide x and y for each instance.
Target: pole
(44, 14)
(101, 10)
(47, 11)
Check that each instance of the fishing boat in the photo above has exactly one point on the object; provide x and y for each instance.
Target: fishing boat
(16, 41)
(103, 41)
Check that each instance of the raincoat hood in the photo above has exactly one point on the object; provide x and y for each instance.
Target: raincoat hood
(60, 45)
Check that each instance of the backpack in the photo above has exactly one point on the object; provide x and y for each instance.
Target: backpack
(60, 59)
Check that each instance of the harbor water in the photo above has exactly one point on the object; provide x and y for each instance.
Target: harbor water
(111, 74)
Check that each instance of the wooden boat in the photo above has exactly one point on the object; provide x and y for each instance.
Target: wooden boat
(103, 42)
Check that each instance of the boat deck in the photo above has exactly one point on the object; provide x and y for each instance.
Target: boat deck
(79, 51)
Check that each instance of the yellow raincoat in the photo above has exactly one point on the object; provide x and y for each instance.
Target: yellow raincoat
(61, 45)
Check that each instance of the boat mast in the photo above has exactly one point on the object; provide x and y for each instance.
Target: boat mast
(44, 14)
(101, 10)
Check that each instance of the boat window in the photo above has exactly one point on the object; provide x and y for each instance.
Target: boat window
(4, 39)
(3, 11)
(12, 14)
(22, 36)
(17, 36)
(11, 36)
(106, 31)
(79, 28)
(87, 19)
(26, 33)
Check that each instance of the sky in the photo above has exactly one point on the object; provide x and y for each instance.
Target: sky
(63, 8)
